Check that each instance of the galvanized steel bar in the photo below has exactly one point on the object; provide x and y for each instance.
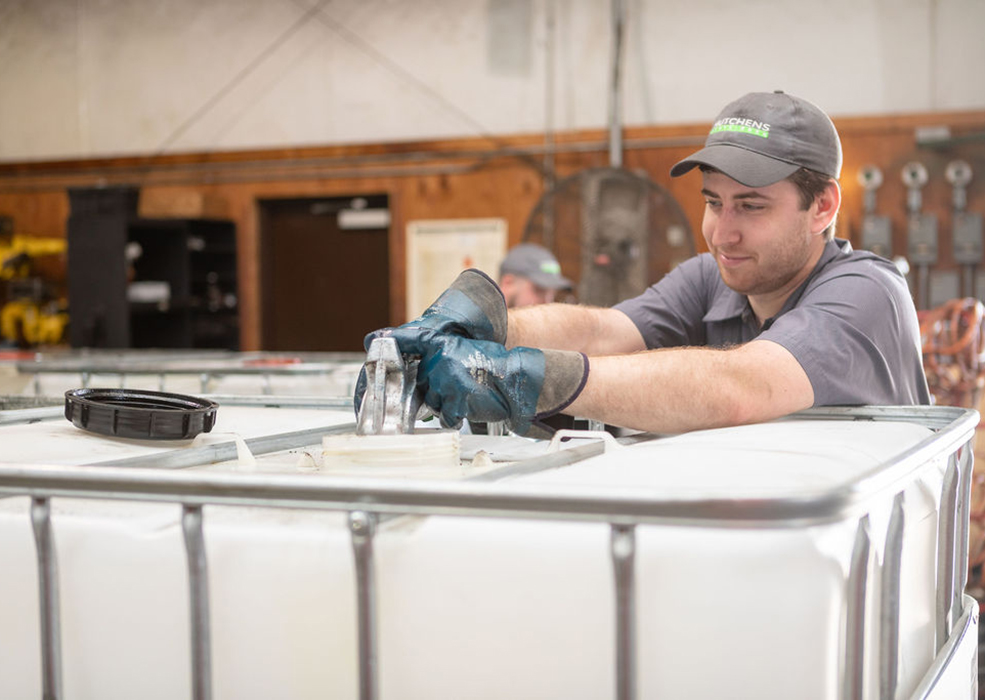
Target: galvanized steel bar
(966, 458)
(246, 400)
(31, 415)
(222, 451)
(362, 527)
(490, 499)
(947, 527)
(198, 598)
(965, 629)
(552, 460)
(51, 655)
(858, 578)
(889, 623)
(622, 549)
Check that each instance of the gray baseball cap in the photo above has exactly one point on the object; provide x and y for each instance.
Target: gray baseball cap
(536, 264)
(764, 137)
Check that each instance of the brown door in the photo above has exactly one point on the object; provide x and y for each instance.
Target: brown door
(325, 285)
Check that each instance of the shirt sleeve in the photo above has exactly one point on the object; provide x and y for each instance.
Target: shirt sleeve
(848, 333)
(670, 313)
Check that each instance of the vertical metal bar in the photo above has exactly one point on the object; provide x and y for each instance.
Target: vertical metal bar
(550, 32)
(615, 89)
(198, 598)
(203, 379)
(966, 459)
(946, 530)
(362, 527)
(268, 387)
(496, 428)
(160, 382)
(889, 612)
(858, 577)
(623, 551)
(51, 656)
(84, 378)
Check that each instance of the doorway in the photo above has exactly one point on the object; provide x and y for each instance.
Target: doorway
(325, 273)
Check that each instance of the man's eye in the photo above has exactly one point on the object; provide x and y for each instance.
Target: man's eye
(753, 207)
(713, 203)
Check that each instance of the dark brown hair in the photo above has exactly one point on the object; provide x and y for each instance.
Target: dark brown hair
(810, 184)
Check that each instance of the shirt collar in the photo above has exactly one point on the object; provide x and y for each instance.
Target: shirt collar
(729, 304)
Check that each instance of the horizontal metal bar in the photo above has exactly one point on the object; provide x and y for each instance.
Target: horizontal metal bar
(298, 370)
(500, 499)
(31, 415)
(552, 460)
(181, 458)
(273, 401)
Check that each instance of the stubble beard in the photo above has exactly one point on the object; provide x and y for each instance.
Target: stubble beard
(773, 273)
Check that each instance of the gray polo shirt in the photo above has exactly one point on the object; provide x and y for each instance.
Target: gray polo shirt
(851, 325)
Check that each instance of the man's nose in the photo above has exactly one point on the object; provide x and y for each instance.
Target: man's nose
(725, 228)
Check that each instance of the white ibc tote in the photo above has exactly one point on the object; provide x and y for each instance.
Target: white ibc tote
(822, 556)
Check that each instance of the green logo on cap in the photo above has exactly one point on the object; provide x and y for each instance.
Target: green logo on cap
(550, 267)
(741, 128)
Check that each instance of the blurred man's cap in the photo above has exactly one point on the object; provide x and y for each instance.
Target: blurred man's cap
(536, 264)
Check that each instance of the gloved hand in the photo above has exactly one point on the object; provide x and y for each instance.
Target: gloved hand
(472, 307)
(485, 382)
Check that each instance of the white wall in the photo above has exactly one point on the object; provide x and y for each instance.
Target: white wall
(81, 78)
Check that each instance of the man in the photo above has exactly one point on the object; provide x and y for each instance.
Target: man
(530, 275)
(777, 317)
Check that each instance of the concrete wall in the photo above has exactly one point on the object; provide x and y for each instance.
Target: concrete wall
(86, 78)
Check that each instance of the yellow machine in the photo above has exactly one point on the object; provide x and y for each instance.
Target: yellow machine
(32, 284)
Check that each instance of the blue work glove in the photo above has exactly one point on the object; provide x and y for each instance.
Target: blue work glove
(484, 382)
(472, 307)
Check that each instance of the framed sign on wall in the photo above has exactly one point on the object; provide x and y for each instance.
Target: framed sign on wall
(438, 250)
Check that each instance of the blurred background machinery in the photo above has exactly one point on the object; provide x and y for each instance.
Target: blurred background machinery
(33, 304)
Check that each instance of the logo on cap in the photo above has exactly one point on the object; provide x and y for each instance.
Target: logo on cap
(742, 126)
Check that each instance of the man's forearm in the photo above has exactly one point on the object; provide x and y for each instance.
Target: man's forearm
(682, 389)
(587, 329)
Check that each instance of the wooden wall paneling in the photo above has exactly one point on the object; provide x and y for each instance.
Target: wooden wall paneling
(465, 178)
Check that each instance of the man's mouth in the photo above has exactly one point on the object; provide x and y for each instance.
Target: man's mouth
(732, 259)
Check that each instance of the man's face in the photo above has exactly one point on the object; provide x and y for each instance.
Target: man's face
(519, 291)
(760, 237)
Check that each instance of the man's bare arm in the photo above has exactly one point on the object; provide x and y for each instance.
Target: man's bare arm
(680, 389)
(587, 329)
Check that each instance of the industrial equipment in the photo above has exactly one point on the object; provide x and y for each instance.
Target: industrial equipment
(33, 306)
(614, 231)
(819, 556)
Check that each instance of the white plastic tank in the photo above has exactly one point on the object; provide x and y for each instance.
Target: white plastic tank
(742, 574)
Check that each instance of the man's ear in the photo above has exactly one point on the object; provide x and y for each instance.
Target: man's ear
(825, 207)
